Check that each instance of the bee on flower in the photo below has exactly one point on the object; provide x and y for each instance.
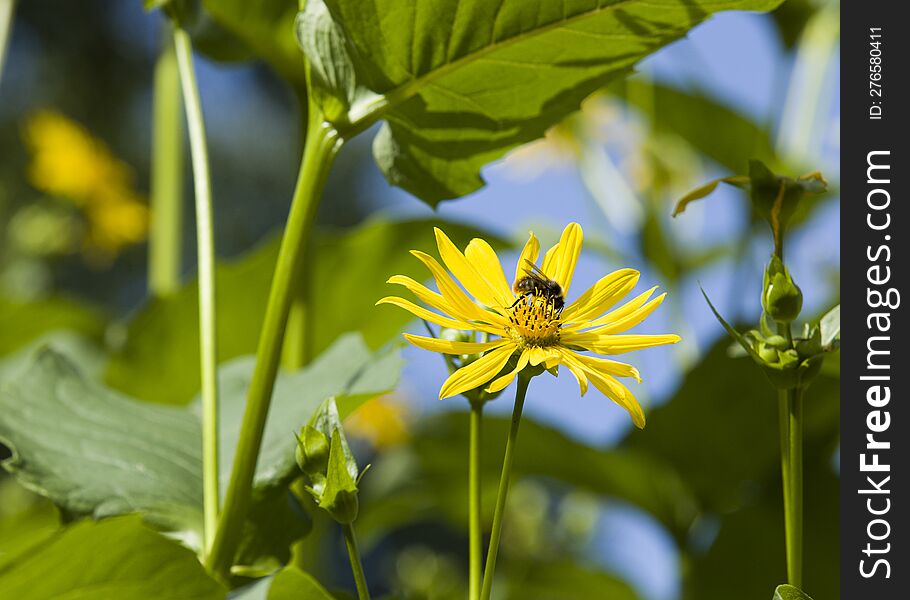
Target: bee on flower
(531, 322)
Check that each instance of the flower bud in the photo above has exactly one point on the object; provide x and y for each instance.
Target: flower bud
(781, 299)
(312, 451)
(342, 506)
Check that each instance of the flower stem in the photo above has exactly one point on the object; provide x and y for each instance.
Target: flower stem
(350, 540)
(794, 513)
(166, 235)
(322, 144)
(475, 549)
(205, 248)
(790, 411)
(7, 8)
(504, 481)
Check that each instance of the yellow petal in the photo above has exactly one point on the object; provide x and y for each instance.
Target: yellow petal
(463, 307)
(618, 314)
(528, 253)
(452, 347)
(616, 322)
(576, 369)
(428, 315)
(616, 344)
(424, 294)
(600, 296)
(569, 249)
(609, 367)
(465, 272)
(480, 254)
(608, 386)
(549, 262)
(539, 355)
(502, 382)
(477, 373)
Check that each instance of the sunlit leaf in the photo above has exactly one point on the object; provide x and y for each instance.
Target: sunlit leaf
(788, 592)
(463, 82)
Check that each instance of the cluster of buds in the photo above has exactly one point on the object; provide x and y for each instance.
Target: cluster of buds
(328, 464)
(788, 361)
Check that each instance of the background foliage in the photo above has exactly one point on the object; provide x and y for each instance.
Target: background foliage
(692, 502)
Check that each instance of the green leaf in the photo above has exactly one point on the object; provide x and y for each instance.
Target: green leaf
(463, 82)
(788, 592)
(116, 558)
(266, 28)
(160, 359)
(685, 113)
(294, 584)
(23, 322)
(96, 452)
(288, 584)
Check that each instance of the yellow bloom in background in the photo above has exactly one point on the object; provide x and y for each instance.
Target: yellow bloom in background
(69, 163)
(381, 421)
(533, 329)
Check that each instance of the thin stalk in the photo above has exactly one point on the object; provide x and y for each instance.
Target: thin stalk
(794, 516)
(7, 8)
(322, 144)
(475, 506)
(504, 482)
(166, 235)
(205, 249)
(350, 540)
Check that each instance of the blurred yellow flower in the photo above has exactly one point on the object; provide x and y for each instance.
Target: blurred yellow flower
(382, 421)
(69, 163)
(533, 328)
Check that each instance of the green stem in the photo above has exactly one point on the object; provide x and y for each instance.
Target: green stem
(322, 144)
(475, 507)
(166, 235)
(205, 249)
(7, 8)
(504, 481)
(794, 515)
(350, 540)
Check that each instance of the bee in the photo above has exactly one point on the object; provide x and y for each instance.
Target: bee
(536, 283)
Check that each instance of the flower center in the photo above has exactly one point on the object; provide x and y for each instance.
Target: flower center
(534, 322)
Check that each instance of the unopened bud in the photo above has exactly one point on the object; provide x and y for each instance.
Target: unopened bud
(781, 298)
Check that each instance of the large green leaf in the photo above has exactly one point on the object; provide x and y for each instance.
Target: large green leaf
(288, 584)
(96, 452)
(160, 360)
(462, 82)
(116, 558)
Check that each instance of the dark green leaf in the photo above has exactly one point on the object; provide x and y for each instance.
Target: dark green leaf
(463, 82)
(116, 558)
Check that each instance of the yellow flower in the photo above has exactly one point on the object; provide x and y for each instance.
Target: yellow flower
(532, 330)
(68, 163)
(381, 421)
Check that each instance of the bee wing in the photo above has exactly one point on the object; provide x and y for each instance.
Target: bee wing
(534, 271)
